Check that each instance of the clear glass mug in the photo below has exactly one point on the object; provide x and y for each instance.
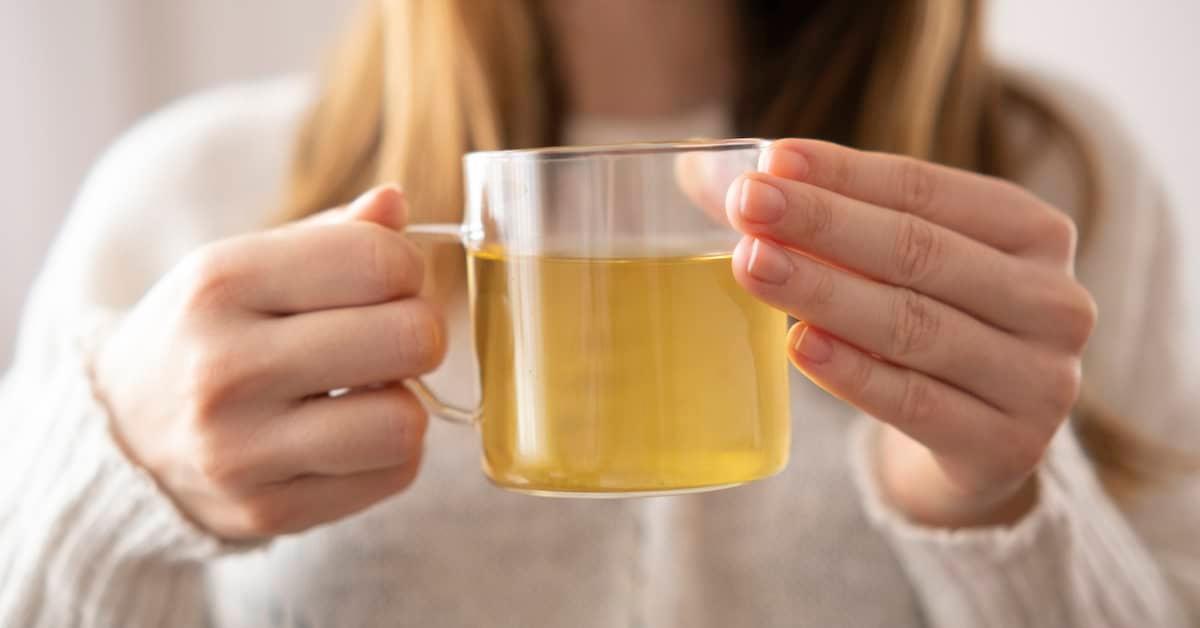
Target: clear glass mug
(617, 355)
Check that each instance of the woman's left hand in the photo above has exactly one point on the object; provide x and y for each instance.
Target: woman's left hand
(939, 301)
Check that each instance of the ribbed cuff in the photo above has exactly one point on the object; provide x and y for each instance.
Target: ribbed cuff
(89, 538)
(1071, 561)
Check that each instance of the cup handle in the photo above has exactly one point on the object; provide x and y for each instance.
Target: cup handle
(441, 233)
(441, 409)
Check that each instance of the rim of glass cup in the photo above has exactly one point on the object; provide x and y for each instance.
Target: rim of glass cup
(556, 153)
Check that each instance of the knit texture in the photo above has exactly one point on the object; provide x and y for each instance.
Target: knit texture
(89, 539)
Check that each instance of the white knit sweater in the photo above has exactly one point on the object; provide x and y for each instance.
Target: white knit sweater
(87, 539)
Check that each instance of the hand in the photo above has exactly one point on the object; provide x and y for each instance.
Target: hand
(939, 301)
(218, 379)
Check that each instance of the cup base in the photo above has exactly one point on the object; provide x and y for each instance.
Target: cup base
(620, 494)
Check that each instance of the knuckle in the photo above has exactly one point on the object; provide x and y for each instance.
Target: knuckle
(404, 475)
(859, 378)
(419, 334)
(816, 212)
(918, 251)
(1004, 188)
(1069, 312)
(818, 281)
(414, 265)
(1079, 315)
(1089, 316)
(839, 172)
(263, 517)
(410, 419)
(219, 371)
(918, 404)
(211, 274)
(976, 481)
(915, 325)
(383, 270)
(392, 265)
(1065, 379)
(219, 466)
(916, 183)
(1023, 456)
(210, 377)
(1059, 233)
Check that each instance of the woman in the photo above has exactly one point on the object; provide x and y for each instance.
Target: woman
(172, 460)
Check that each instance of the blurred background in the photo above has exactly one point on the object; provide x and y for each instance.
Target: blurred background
(78, 72)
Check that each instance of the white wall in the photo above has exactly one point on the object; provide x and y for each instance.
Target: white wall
(1143, 58)
(78, 71)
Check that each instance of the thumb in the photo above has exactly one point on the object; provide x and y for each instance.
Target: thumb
(704, 178)
(384, 205)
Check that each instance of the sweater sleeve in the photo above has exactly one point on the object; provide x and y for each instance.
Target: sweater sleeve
(1082, 558)
(86, 537)
(1074, 561)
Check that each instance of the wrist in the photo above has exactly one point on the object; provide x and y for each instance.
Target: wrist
(911, 481)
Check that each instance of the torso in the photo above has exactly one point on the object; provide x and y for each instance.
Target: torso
(791, 550)
(794, 549)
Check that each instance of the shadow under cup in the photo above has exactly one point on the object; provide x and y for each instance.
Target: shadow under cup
(617, 355)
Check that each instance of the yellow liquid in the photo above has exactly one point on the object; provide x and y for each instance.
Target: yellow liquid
(626, 375)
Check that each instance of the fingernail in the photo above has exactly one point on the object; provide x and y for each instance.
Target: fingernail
(769, 264)
(761, 202)
(812, 347)
(783, 162)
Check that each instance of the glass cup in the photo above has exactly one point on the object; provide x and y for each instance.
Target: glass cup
(617, 356)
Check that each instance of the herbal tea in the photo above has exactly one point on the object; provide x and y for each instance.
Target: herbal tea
(622, 375)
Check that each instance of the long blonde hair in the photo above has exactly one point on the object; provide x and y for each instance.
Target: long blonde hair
(414, 84)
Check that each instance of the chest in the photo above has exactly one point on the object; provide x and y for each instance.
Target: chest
(792, 550)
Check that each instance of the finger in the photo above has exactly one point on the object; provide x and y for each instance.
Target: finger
(704, 177)
(384, 205)
(980, 207)
(363, 430)
(902, 326)
(967, 435)
(353, 347)
(892, 247)
(315, 267)
(312, 500)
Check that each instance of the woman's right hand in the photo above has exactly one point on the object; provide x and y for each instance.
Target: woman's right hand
(218, 379)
